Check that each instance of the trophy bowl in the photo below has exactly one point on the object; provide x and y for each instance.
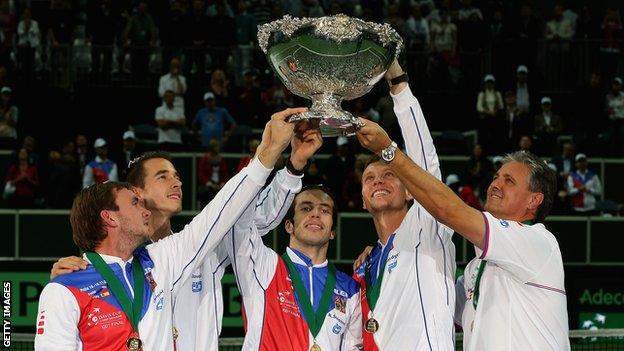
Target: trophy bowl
(327, 60)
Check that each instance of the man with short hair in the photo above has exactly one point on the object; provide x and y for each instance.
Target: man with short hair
(583, 187)
(407, 281)
(297, 301)
(101, 169)
(212, 119)
(128, 151)
(515, 292)
(170, 121)
(173, 81)
(181, 253)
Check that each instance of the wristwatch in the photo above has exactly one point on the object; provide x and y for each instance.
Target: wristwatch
(387, 154)
(399, 79)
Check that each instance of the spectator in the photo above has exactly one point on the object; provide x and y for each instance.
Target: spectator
(60, 33)
(140, 35)
(516, 122)
(418, 40)
(28, 44)
(490, 108)
(583, 187)
(221, 36)
(198, 29)
(250, 102)
(465, 192)
(615, 111)
(338, 166)
(559, 31)
(611, 43)
(64, 181)
(21, 182)
(479, 171)
(8, 119)
(129, 151)
(220, 87)
(101, 34)
(523, 93)
(170, 121)
(173, 81)
(561, 204)
(528, 31)
(548, 127)
(211, 120)
(212, 173)
(525, 144)
(101, 169)
(564, 163)
(472, 36)
(253, 145)
(444, 46)
(246, 32)
(83, 154)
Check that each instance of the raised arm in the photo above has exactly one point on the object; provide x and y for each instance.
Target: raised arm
(182, 253)
(418, 140)
(275, 200)
(438, 199)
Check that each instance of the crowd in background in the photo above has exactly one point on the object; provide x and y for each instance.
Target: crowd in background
(202, 60)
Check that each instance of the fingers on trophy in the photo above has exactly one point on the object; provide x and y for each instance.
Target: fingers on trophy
(328, 60)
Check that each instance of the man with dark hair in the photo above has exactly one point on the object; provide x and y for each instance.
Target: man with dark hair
(514, 290)
(297, 301)
(170, 263)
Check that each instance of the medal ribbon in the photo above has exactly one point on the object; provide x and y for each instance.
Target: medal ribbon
(475, 300)
(314, 319)
(132, 309)
(373, 290)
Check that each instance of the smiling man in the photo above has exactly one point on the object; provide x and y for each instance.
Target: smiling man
(296, 301)
(515, 294)
(408, 278)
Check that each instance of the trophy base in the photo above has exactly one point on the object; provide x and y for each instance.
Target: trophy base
(326, 115)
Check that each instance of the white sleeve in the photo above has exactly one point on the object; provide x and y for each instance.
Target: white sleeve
(275, 200)
(113, 176)
(352, 339)
(184, 252)
(87, 178)
(460, 300)
(595, 188)
(522, 250)
(418, 140)
(161, 86)
(158, 115)
(57, 320)
(253, 263)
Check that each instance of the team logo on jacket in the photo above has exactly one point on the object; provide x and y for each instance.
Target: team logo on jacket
(391, 263)
(504, 223)
(340, 302)
(337, 329)
(196, 286)
(159, 300)
(287, 303)
(104, 320)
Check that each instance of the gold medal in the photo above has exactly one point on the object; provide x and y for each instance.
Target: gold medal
(134, 344)
(372, 325)
(315, 347)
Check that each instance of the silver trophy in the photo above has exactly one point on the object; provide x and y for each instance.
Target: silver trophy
(327, 60)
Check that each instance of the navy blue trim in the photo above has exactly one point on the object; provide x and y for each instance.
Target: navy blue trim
(444, 257)
(210, 230)
(422, 306)
(265, 197)
(486, 244)
(253, 264)
(278, 212)
(422, 146)
(214, 299)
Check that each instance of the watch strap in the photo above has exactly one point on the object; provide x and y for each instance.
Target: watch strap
(399, 79)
